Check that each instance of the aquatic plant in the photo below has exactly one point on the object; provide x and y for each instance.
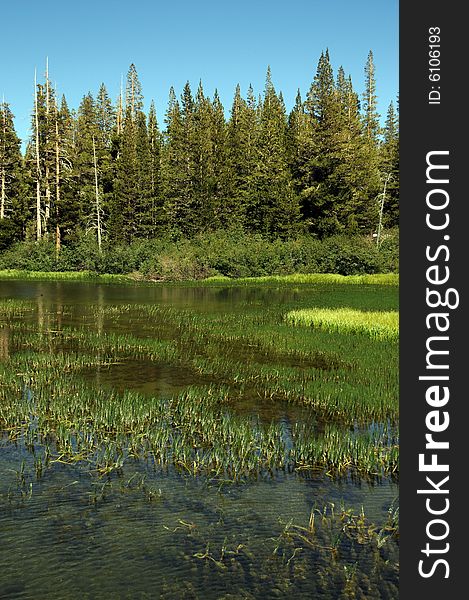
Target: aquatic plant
(376, 324)
(245, 354)
(309, 278)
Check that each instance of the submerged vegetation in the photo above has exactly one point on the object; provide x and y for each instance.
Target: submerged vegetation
(249, 399)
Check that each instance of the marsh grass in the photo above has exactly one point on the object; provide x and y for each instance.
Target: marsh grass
(377, 324)
(247, 353)
(90, 276)
(330, 525)
(195, 432)
(13, 307)
(343, 555)
(75, 444)
(310, 278)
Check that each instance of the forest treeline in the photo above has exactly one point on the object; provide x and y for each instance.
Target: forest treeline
(109, 172)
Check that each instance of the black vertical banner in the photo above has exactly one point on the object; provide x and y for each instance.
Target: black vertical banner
(434, 250)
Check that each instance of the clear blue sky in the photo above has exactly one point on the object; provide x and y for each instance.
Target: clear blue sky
(222, 43)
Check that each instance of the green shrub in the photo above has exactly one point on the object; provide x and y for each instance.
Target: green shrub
(9, 233)
(29, 256)
(389, 251)
(228, 253)
(349, 256)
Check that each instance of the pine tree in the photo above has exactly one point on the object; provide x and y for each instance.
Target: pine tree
(133, 93)
(58, 188)
(273, 208)
(35, 146)
(173, 180)
(130, 212)
(143, 207)
(49, 151)
(208, 158)
(320, 205)
(123, 213)
(219, 185)
(179, 165)
(42, 161)
(106, 147)
(158, 217)
(241, 157)
(67, 205)
(370, 102)
(10, 161)
(200, 148)
(300, 148)
(372, 130)
(105, 116)
(389, 154)
(90, 156)
(13, 210)
(120, 111)
(110, 170)
(188, 217)
(357, 174)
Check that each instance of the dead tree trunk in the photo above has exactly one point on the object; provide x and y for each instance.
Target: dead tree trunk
(98, 205)
(38, 166)
(57, 185)
(3, 192)
(47, 173)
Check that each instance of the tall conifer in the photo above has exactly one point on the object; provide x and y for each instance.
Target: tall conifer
(158, 219)
(273, 207)
(390, 167)
(13, 208)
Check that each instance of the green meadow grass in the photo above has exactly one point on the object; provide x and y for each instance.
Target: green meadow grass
(299, 278)
(377, 324)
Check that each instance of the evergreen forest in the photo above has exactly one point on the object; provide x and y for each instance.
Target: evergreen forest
(110, 175)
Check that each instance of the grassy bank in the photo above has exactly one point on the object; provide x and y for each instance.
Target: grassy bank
(297, 278)
(86, 276)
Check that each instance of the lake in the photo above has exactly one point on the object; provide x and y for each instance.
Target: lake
(187, 441)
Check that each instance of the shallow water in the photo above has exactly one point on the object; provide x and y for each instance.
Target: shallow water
(153, 532)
